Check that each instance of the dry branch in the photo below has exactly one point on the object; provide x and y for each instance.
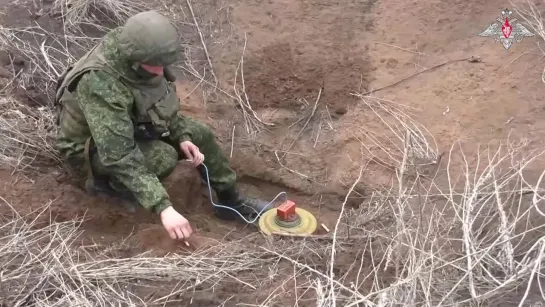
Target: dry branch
(252, 122)
(471, 59)
(307, 121)
(202, 41)
(404, 133)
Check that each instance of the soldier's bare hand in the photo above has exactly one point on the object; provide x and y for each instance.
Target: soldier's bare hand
(175, 224)
(192, 153)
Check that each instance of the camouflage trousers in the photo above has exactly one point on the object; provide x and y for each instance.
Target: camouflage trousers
(162, 156)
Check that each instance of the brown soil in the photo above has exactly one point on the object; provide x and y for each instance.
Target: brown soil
(294, 48)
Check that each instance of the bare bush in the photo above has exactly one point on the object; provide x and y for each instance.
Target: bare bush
(44, 53)
(403, 132)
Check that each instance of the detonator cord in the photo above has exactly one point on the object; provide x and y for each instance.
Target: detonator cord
(232, 209)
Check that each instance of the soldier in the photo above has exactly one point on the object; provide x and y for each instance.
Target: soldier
(119, 122)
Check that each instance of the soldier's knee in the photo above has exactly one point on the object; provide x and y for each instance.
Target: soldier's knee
(161, 158)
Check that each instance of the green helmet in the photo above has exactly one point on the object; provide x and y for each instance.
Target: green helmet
(149, 38)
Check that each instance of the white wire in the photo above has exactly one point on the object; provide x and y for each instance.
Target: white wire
(233, 209)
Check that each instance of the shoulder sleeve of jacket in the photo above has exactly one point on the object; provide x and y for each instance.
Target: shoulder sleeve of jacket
(106, 104)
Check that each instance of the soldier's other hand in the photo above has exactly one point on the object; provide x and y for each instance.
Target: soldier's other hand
(175, 224)
(192, 153)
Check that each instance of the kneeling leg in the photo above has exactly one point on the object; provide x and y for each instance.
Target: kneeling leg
(160, 158)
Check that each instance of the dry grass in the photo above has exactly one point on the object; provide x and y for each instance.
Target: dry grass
(399, 131)
(27, 132)
(26, 135)
(45, 54)
(471, 242)
(45, 264)
(252, 122)
(80, 13)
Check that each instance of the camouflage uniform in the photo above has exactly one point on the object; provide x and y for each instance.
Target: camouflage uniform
(123, 123)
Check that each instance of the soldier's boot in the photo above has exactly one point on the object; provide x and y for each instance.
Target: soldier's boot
(248, 207)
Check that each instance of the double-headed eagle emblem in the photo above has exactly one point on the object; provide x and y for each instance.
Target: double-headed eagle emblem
(505, 30)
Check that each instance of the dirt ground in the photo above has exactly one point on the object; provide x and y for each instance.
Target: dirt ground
(296, 49)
